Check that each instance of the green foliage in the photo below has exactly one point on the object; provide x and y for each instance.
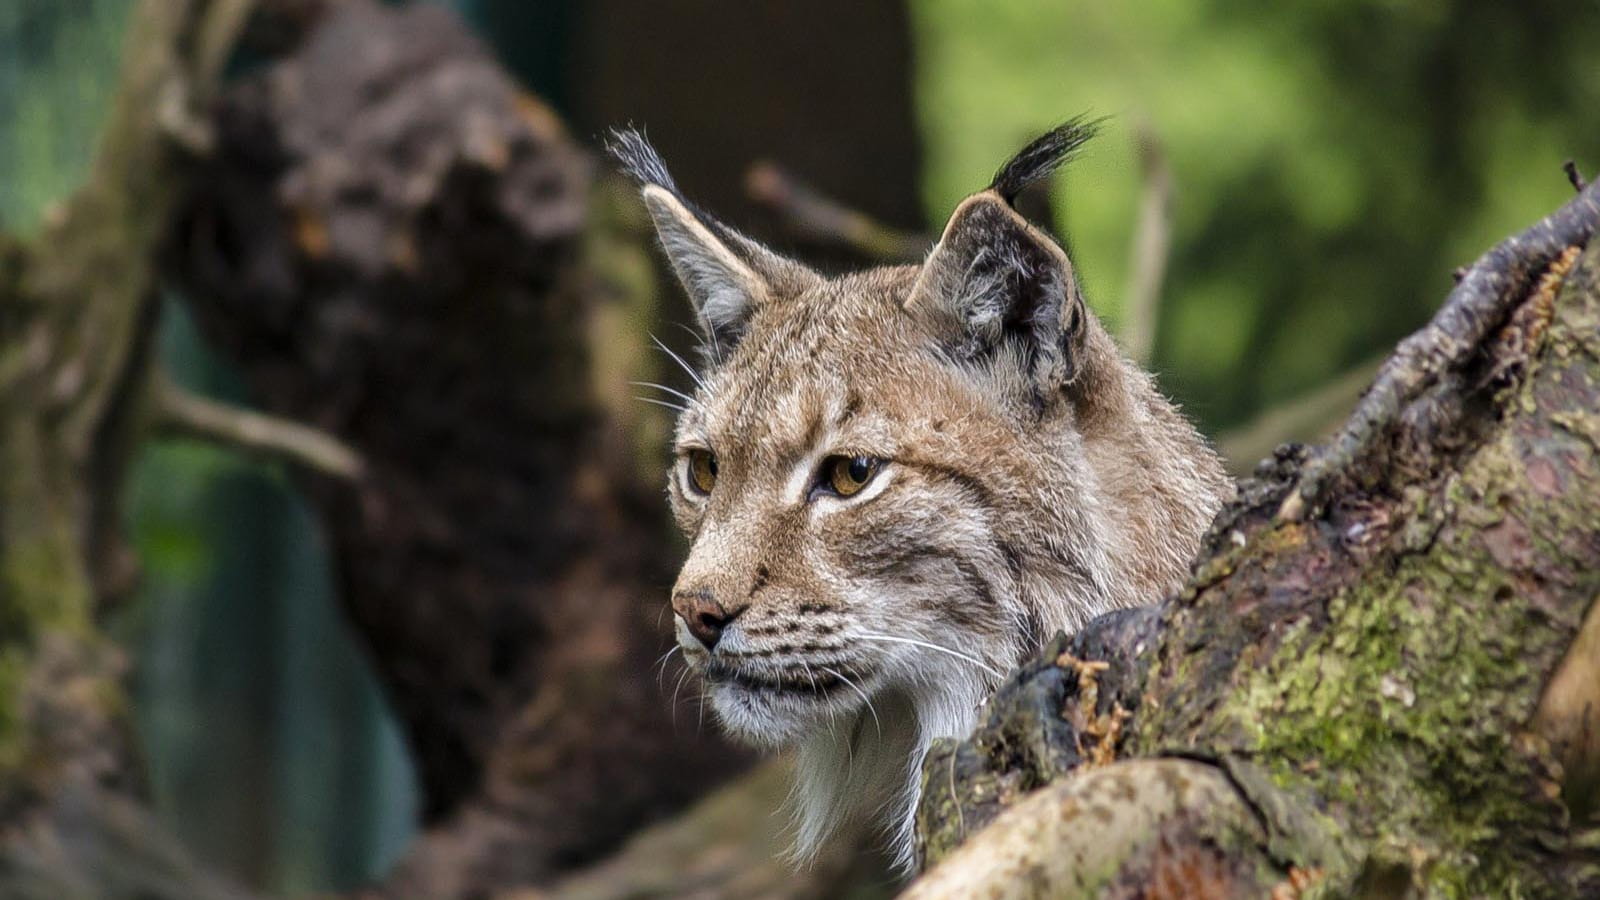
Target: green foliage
(1334, 161)
(58, 63)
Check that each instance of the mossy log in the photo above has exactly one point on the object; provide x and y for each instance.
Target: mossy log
(1382, 679)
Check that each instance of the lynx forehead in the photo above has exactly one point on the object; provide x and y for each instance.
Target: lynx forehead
(897, 483)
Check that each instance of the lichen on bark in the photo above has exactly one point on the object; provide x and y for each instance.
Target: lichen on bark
(1366, 672)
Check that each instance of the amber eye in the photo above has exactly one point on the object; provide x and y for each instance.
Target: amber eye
(702, 470)
(847, 475)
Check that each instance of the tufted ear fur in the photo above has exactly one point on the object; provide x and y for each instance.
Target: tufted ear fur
(726, 275)
(996, 287)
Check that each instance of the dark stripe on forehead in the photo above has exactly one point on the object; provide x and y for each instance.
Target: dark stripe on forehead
(852, 405)
(782, 349)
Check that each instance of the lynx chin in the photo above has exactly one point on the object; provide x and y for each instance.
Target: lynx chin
(898, 482)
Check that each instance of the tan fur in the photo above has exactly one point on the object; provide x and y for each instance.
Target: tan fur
(1002, 513)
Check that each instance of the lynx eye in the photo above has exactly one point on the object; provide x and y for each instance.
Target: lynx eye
(847, 475)
(702, 470)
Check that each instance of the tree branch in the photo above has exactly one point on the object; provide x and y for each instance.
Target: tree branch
(1152, 246)
(814, 216)
(1479, 303)
(1307, 417)
(1574, 176)
(182, 413)
(76, 307)
(1399, 685)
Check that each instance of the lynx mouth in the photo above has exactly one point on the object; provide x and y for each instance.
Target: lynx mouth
(817, 683)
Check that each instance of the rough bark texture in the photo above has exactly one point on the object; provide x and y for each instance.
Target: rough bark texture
(1370, 670)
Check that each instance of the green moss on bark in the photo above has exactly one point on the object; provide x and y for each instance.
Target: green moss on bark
(1368, 678)
(1399, 703)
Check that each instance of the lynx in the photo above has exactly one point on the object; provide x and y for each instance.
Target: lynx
(897, 483)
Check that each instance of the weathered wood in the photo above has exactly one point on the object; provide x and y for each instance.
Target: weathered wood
(1371, 677)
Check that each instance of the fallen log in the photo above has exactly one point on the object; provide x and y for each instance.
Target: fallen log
(1380, 679)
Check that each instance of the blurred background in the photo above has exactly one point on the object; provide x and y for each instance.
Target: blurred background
(1281, 192)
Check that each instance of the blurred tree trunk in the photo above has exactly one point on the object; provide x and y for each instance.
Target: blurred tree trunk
(401, 248)
(77, 306)
(407, 254)
(390, 240)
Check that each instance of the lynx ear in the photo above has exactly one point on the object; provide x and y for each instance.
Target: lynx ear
(722, 287)
(725, 274)
(994, 283)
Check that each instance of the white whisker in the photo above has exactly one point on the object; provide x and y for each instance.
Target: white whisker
(716, 351)
(661, 666)
(679, 360)
(706, 332)
(663, 403)
(916, 643)
(716, 346)
(859, 692)
(812, 675)
(681, 676)
(661, 387)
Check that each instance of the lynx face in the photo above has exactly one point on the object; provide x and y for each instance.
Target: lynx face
(843, 530)
(897, 483)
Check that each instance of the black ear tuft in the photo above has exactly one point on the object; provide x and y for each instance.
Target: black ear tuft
(639, 161)
(725, 274)
(1043, 155)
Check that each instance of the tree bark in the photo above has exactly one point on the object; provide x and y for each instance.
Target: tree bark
(1381, 678)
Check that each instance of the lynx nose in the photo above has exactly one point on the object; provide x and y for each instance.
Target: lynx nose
(705, 617)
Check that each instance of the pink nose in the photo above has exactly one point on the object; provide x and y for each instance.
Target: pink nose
(705, 617)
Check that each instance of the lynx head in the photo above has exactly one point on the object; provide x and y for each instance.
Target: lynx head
(897, 482)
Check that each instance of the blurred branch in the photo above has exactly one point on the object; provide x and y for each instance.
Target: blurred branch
(182, 413)
(812, 215)
(1152, 245)
(1306, 417)
(1574, 176)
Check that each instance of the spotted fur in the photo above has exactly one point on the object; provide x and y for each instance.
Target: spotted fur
(1032, 478)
